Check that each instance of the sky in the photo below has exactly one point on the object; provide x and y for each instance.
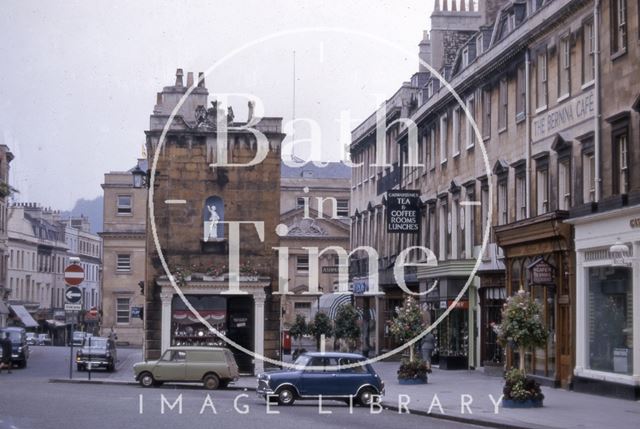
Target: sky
(79, 78)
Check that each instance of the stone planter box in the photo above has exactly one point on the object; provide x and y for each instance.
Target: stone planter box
(530, 403)
(408, 381)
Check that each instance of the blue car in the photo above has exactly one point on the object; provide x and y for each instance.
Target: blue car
(340, 376)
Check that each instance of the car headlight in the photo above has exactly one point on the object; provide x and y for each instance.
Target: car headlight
(19, 349)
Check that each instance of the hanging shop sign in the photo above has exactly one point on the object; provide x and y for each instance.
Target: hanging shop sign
(541, 272)
(403, 211)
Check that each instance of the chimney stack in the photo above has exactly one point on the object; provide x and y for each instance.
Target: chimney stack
(179, 75)
(201, 80)
(189, 79)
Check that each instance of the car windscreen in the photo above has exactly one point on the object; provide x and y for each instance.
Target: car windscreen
(14, 336)
(96, 343)
(302, 361)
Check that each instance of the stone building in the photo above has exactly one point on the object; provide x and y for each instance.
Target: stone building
(323, 191)
(196, 203)
(607, 319)
(124, 258)
(533, 76)
(5, 191)
(37, 257)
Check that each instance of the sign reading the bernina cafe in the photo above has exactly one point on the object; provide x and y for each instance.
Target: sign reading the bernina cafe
(571, 112)
(403, 211)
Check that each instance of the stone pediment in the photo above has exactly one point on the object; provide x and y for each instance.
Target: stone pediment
(312, 226)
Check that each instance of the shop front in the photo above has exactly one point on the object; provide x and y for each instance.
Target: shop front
(239, 317)
(608, 298)
(539, 258)
(454, 346)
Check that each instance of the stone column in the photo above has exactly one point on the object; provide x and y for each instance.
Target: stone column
(165, 331)
(258, 332)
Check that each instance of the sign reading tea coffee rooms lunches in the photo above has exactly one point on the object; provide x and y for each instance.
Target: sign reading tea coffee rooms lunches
(569, 113)
(403, 211)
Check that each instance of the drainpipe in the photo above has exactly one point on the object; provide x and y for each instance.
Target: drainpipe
(596, 118)
(527, 98)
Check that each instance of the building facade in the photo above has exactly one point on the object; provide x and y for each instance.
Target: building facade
(607, 279)
(194, 199)
(5, 192)
(124, 261)
(536, 78)
(314, 206)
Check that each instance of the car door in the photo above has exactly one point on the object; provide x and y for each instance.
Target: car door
(172, 366)
(313, 379)
(351, 378)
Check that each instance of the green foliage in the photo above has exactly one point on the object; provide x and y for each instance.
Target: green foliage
(414, 369)
(346, 325)
(408, 322)
(519, 387)
(299, 327)
(321, 325)
(522, 323)
(7, 190)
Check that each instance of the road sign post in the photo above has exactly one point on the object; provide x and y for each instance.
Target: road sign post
(73, 276)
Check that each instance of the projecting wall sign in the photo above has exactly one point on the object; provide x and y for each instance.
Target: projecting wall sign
(403, 212)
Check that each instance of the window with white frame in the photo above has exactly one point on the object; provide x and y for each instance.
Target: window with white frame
(564, 69)
(123, 262)
(457, 130)
(521, 92)
(479, 44)
(622, 162)
(432, 148)
(485, 204)
(465, 56)
(342, 207)
(455, 227)
(589, 177)
(503, 202)
(541, 80)
(443, 139)
(618, 12)
(123, 309)
(588, 53)
(470, 134)
(564, 184)
(521, 197)
(468, 223)
(503, 109)
(124, 204)
(543, 190)
(486, 112)
(300, 203)
(302, 263)
(442, 229)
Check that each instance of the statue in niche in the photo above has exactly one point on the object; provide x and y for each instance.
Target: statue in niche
(213, 223)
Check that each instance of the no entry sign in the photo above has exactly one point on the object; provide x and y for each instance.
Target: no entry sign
(73, 275)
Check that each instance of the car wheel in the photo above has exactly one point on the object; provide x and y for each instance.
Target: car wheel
(365, 397)
(111, 367)
(211, 382)
(146, 379)
(286, 396)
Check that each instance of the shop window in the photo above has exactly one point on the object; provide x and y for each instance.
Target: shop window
(122, 310)
(618, 12)
(124, 204)
(610, 319)
(123, 263)
(588, 53)
(186, 328)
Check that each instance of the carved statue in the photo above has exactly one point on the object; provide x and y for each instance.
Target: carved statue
(214, 218)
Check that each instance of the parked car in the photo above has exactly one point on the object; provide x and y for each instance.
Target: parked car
(19, 346)
(214, 367)
(78, 338)
(99, 352)
(323, 374)
(32, 340)
(43, 340)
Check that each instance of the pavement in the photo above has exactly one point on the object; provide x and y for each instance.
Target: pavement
(460, 396)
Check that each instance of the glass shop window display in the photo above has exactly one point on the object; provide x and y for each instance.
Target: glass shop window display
(188, 330)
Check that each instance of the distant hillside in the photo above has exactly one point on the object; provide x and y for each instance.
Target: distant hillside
(89, 208)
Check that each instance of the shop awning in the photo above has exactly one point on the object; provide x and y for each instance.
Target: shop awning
(24, 316)
(56, 323)
(330, 302)
(3, 308)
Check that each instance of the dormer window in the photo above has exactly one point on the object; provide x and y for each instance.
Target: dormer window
(465, 57)
(480, 44)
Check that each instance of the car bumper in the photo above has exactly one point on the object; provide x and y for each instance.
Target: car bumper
(95, 363)
(263, 389)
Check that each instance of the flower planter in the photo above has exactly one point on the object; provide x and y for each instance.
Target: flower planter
(529, 403)
(419, 380)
